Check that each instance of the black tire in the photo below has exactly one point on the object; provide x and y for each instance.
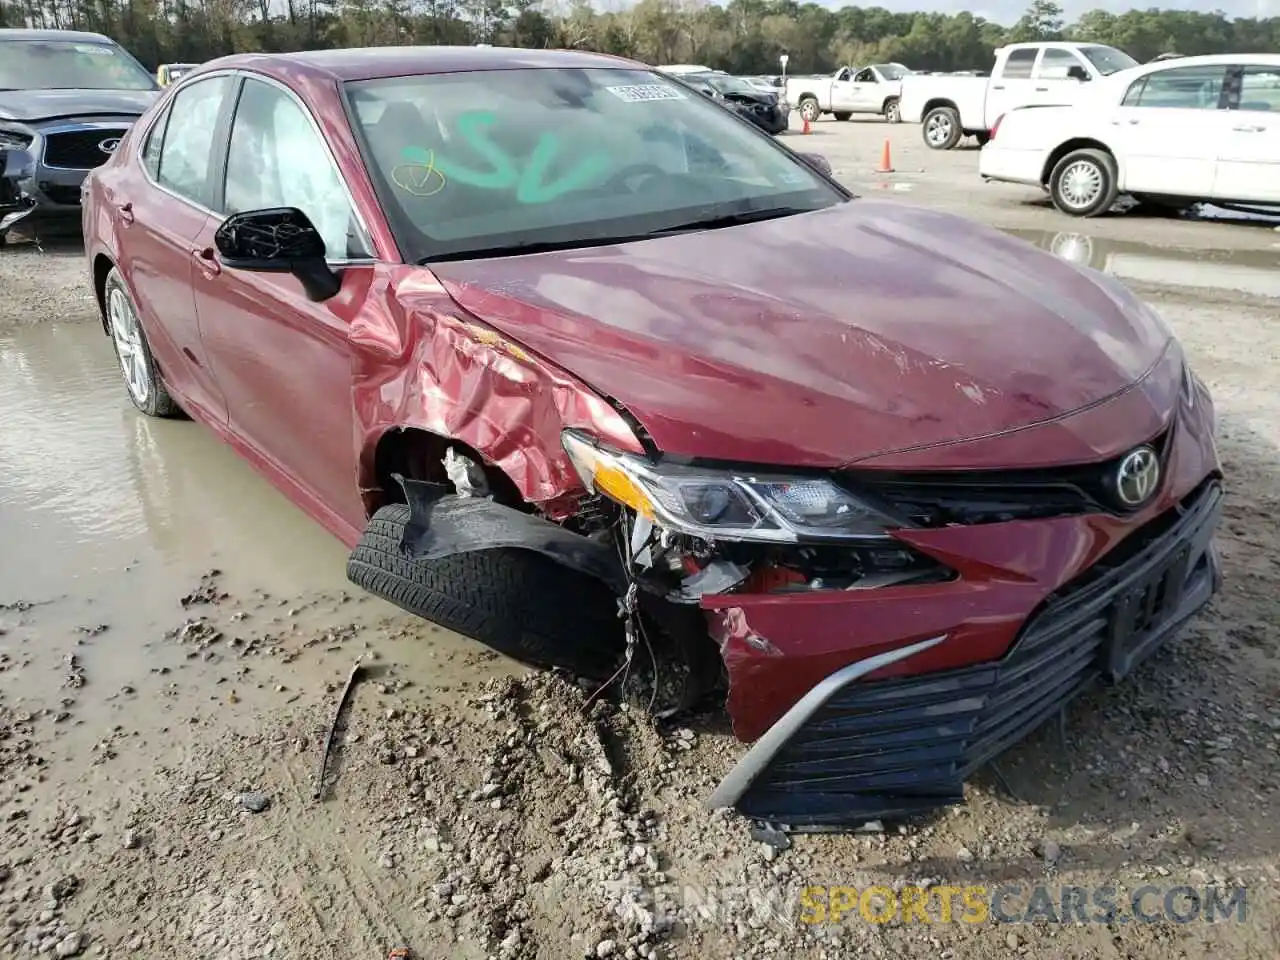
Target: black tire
(808, 107)
(842, 115)
(983, 138)
(1094, 168)
(157, 401)
(517, 602)
(892, 111)
(940, 128)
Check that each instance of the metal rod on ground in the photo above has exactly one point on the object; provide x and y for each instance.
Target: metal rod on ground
(333, 728)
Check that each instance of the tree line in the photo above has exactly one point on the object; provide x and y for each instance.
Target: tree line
(743, 36)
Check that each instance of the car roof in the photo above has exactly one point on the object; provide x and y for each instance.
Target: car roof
(71, 36)
(370, 63)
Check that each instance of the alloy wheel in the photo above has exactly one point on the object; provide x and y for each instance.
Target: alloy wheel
(126, 333)
(1081, 184)
(938, 130)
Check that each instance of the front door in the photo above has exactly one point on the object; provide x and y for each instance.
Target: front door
(1053, 85)
(283, 361)
(1168, 129)
(1249, 154)
(159, 217)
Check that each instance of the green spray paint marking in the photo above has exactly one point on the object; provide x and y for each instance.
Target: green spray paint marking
(529, 184)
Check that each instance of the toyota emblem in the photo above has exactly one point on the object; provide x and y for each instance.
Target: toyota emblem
(1137, 477)
(109, 145)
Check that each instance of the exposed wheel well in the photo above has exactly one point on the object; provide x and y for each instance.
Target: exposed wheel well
(934, 104)
(888, 100)
(101, 267)
(419, 455)
(1080, 143)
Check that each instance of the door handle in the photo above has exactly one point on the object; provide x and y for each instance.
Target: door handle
(126, 213)
(997, 86)
(1042, 89)
(208, 262)
(1248, 129)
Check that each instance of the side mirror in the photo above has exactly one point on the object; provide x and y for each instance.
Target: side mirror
(279, 240)
(1077, 72)
(817, 161)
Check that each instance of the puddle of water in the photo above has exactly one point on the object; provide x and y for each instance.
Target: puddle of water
(1254, 272)
(109, 517)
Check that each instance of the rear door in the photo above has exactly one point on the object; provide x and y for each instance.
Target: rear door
(864, 92)
(283, 361)
(1011, 85)
(159, 215)
(1168, 130)
(1248, 166)
(842, 91)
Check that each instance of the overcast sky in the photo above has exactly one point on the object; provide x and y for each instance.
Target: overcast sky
(1007, 11)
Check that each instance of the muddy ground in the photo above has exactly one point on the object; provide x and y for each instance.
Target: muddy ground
(161, 724)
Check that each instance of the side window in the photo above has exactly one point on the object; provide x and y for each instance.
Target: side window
(1018, 64)
(277, 159)
(865, 76)
(1186, 88)
(844, 74)
(155, 140)
(1055, 63)
(1260, 89)
(188, 139)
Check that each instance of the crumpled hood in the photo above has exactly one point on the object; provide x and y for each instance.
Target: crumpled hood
(52, 104)
(824, 338)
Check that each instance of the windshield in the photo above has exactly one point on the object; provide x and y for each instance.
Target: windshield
(1108, 60)
(484, 163)
(891, 71)
(65, 65)
(731, 85)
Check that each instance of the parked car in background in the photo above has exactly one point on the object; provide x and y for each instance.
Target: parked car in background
(951, 108)
(875, 89)
(66, 99)
(167, 73)
(510, 323)
(1172, 133)
(769, 84)
(766, 108)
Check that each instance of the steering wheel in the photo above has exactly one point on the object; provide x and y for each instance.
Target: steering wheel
(630, 172)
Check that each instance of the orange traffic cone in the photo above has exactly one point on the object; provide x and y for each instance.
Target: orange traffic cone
(886, 163)
(806, 125)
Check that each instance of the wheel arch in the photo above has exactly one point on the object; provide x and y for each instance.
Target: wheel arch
(891, 98)
(102, 266)
(1072, 145)
(934, 103)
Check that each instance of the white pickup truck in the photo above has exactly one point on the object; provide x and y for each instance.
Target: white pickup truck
(1025, 74)
(874, 89)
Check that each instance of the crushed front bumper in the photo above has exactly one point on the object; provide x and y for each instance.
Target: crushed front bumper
(896, 747)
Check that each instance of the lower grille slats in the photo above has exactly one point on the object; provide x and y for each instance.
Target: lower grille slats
(897, 747)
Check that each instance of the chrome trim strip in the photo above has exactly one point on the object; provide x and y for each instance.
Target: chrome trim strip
(735, 783)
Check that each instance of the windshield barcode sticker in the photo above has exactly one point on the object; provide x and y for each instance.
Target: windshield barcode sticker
(646, 91)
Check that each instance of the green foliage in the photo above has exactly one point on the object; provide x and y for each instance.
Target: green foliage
(744, 36)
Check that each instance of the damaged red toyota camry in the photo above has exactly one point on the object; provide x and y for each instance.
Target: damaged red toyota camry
(589, 369)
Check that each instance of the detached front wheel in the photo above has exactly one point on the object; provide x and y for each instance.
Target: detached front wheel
(1084, 183)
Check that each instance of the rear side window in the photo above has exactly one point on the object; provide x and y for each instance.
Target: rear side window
(187, 151)
(1018, 65)
(1185, 88)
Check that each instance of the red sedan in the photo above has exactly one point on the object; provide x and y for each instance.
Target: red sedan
(588, 368)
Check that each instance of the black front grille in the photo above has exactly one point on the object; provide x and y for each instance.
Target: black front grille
(992, 496)
(78, 149)
(894, 748)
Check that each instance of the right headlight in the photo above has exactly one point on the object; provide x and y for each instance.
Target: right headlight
(727, 505)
